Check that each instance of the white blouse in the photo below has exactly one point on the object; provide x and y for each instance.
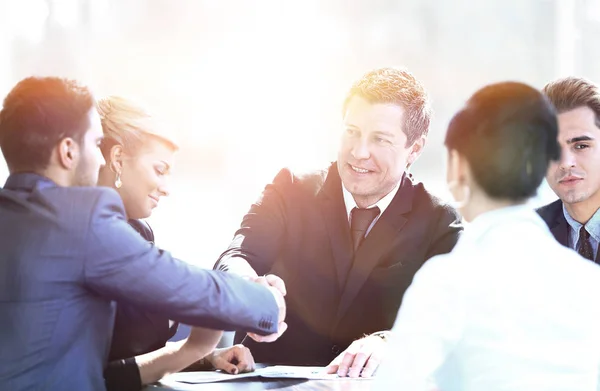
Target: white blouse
(508, 309)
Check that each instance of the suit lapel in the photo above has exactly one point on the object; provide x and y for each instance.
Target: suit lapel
(331, 202)
(560, 228)
(378, 242)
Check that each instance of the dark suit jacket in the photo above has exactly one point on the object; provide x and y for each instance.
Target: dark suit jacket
(66, 254)
(136, 331)
(554, 217)
(299, 230)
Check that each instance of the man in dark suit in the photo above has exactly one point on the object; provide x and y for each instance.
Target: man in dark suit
(573, 218)
(67, 252)
(348, 240)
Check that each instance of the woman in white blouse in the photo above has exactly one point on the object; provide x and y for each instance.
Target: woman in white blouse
(509, 308)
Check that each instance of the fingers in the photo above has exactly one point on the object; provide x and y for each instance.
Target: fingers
(362, 358)
(348, 358)
(255, 337)
(271, 337)
(334, 365)
(262, 281)
(244, 359)
(271, 280)
(276, 282)
(277, 288)
(224, 359)
(221, 359)
(280, 301)
(332, 368)
(372, 364)
(226, 366)
(281, 329)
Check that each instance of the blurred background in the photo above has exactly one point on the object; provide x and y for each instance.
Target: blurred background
(249, 87)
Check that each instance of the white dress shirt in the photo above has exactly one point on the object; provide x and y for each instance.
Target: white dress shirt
(382, 204)
(508, 309)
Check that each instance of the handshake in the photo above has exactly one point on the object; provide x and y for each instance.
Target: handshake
(277, 288)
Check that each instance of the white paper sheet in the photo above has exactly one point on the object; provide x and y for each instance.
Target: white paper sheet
(277, 371)
(204, 377)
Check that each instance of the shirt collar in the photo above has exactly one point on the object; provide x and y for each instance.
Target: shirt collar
(27, 181)
(495, 218)
(592, 226)
(382, 204)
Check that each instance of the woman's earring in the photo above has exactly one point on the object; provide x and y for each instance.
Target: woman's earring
(118, 182)
(466, 192)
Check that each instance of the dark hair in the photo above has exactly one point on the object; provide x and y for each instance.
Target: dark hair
(573, 92)
(397, 86)
(38, 113)
(508, 134)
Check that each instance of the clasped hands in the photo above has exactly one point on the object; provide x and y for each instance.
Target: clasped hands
(361, 359)
(277, 288)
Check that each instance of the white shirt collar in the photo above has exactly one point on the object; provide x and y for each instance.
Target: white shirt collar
(382, 204)
(496, 218)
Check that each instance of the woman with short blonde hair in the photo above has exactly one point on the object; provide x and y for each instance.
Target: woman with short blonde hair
(139, 157)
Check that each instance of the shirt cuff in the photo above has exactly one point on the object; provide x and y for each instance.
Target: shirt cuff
(123, 375)
(385, 335)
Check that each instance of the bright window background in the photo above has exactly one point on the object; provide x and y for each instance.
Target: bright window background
(249, 87)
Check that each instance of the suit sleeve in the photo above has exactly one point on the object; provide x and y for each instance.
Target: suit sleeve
(122, 375)
(258, 241)
(447, 232)
(122, 266)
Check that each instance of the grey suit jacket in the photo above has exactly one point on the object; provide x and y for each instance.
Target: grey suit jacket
(66, 254)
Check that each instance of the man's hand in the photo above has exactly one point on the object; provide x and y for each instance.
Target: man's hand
(277, 288)
(361, 359)
(234, 360)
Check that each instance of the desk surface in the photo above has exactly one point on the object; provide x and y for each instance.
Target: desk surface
(257, 383)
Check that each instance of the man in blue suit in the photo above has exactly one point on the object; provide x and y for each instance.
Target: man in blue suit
(67, 252)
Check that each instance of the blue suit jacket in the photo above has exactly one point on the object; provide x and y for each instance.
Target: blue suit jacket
(66, 253)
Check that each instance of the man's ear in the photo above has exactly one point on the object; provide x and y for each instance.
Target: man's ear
(415, 150)
(116, 159)
(68, 153)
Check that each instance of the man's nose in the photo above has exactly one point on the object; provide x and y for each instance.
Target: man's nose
(567, 159)
(164, 189)
(360, 149)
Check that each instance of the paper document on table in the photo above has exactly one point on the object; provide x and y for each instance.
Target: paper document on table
(204, 377)
(299, 372)
(277, 371)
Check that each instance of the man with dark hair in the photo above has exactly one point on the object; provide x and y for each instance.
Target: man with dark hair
(506, 170)
(68, 251)
(347, 240)
(575, 178)
(50, 119)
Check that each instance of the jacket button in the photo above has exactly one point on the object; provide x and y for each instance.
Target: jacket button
(335, 349)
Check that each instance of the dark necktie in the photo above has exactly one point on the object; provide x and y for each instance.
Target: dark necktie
(360, 221)
(584, 246)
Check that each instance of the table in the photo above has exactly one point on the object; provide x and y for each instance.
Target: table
(257, 383)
